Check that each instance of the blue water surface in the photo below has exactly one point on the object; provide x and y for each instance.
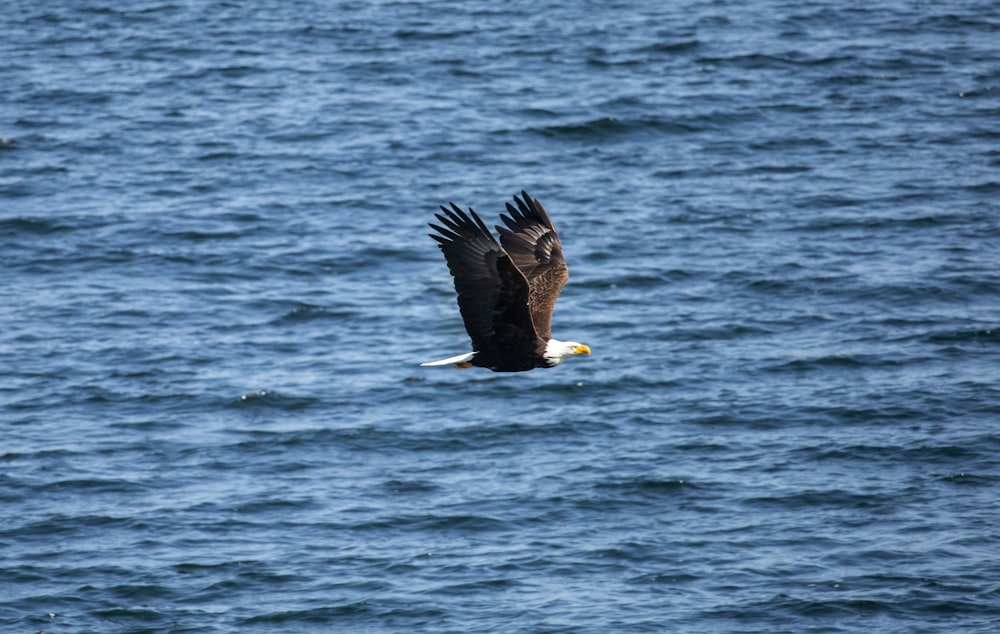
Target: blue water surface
(783, 230)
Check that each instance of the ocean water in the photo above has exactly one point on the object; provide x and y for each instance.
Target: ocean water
(783, 232)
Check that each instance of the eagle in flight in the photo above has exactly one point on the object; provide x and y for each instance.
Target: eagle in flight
(507, 290)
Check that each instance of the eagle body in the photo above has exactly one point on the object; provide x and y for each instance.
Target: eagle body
(507, 289)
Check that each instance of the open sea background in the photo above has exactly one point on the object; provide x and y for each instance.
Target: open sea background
(783, 231)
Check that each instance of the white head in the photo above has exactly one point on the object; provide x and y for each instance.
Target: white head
(558, 351)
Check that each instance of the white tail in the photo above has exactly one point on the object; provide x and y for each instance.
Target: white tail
(460, 359)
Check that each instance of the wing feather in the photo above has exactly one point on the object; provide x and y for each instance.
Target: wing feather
(531, 240)
(492, 292)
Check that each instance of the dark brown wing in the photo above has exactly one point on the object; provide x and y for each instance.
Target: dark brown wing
(492, 292)
(533, 244)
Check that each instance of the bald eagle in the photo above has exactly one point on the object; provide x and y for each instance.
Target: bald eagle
(507, 290)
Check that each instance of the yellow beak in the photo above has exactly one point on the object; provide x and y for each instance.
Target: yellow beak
(581, 349)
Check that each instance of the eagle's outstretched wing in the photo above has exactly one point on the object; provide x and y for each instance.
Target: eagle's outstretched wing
(531, 240)
(493, 294)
